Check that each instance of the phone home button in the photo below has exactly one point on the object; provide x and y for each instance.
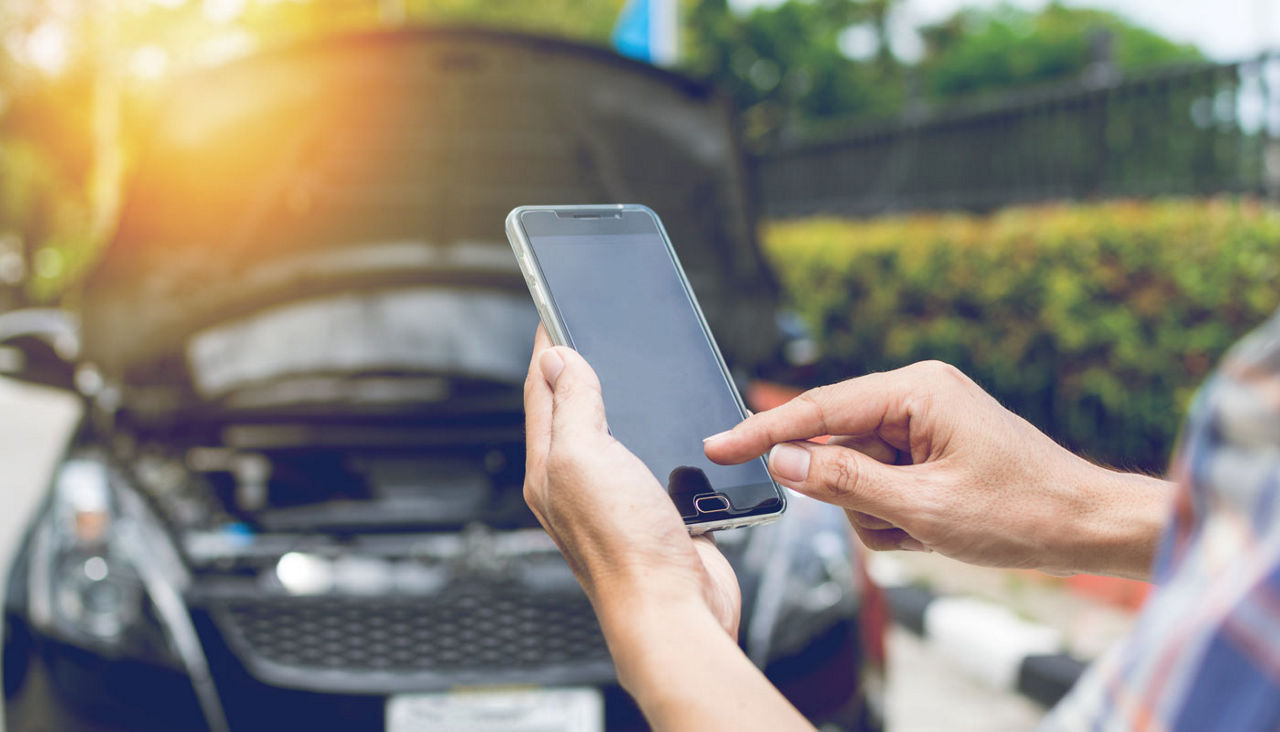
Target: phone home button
(713, 503)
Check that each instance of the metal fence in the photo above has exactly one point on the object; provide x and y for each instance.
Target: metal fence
(1202, 129)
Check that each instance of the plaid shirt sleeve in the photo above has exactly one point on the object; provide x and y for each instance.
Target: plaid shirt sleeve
(1205, 650)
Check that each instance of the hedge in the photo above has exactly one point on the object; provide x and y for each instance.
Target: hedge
(1096, 322)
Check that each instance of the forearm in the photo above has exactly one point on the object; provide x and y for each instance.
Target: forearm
(686, 672)
(1121, 523)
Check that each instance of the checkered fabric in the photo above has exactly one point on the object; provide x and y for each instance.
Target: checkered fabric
(1204, 653)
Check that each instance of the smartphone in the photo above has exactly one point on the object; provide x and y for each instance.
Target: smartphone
(608, 284)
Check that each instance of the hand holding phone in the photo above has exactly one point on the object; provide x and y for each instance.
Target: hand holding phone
(668, 603)
(626, 543)
(607, 283)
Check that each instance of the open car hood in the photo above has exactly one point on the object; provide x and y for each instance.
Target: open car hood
(393, 157)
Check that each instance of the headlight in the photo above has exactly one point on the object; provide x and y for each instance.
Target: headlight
(86, 584)
(105, 575)
(807, 578)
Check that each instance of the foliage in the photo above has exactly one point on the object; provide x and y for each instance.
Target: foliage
(985, 50)
(783, 64)
(786, 70)
(64, 137)
(46, 154)
(64, 133)
(589, 20)
(1095, 322)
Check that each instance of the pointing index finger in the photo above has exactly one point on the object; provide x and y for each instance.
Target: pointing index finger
(856, 406)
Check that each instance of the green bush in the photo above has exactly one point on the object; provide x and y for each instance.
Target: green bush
(1095, 322)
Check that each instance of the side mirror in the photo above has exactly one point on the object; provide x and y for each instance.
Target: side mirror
(40, 346)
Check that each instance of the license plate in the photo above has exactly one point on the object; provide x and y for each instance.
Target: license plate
(519, 710)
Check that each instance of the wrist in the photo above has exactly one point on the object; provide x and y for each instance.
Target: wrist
(647, 633)
(618, 589)
(1118, 522)
(631, 611)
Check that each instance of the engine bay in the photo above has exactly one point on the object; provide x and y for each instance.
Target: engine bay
(310, 516)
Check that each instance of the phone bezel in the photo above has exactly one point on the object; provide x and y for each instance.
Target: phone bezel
(554, 323)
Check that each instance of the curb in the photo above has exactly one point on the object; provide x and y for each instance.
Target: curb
(989, 642)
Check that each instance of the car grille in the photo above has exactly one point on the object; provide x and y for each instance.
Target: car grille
(453, 632)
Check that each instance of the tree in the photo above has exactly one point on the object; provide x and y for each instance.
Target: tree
(783, 65)
(64, 141)
(63, 132)
(785, 68)
(977, 51)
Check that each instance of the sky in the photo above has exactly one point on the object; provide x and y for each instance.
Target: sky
(1226, 30)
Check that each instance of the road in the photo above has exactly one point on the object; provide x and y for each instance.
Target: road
(925, 691)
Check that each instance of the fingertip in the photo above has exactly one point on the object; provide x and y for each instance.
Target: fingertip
(721, 448)
(564, 359)
(717, 436)
(552, 364)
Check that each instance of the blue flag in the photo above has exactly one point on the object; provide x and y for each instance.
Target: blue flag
(632, 35)
(646, 31)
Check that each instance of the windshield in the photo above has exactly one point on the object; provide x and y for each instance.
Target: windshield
(471, 333)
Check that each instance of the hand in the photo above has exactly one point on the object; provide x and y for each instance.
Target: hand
(669, 604)
(613, 521)
(923, 459)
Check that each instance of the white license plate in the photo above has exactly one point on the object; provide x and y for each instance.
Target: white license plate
(516, 710)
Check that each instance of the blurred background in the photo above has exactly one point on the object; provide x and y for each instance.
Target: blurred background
(1078, 203)
(891, 139)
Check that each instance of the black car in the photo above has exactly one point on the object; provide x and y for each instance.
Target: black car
(294, 501)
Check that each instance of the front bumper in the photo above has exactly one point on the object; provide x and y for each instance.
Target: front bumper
(53, 686)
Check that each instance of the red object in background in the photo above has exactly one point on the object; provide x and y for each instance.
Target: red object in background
(1125, 593)
(764, 395)
(873, 619)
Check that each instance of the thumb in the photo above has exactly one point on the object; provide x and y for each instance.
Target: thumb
(577, 410)
(843, 477)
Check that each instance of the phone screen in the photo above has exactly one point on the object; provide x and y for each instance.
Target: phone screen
(624, 307)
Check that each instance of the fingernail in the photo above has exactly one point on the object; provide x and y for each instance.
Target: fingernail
(716, 436)
(789, 462)
(911, 544)
(551, 364)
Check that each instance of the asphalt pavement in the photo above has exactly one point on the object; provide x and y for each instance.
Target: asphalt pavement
(928, 692)
(925, 691)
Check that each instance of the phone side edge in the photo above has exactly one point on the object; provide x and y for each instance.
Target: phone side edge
(740, 522)
(527, 262)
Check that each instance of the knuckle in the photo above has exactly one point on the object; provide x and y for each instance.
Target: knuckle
(941, 372)
(932, 367)
(812, 402)
(841, 476)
